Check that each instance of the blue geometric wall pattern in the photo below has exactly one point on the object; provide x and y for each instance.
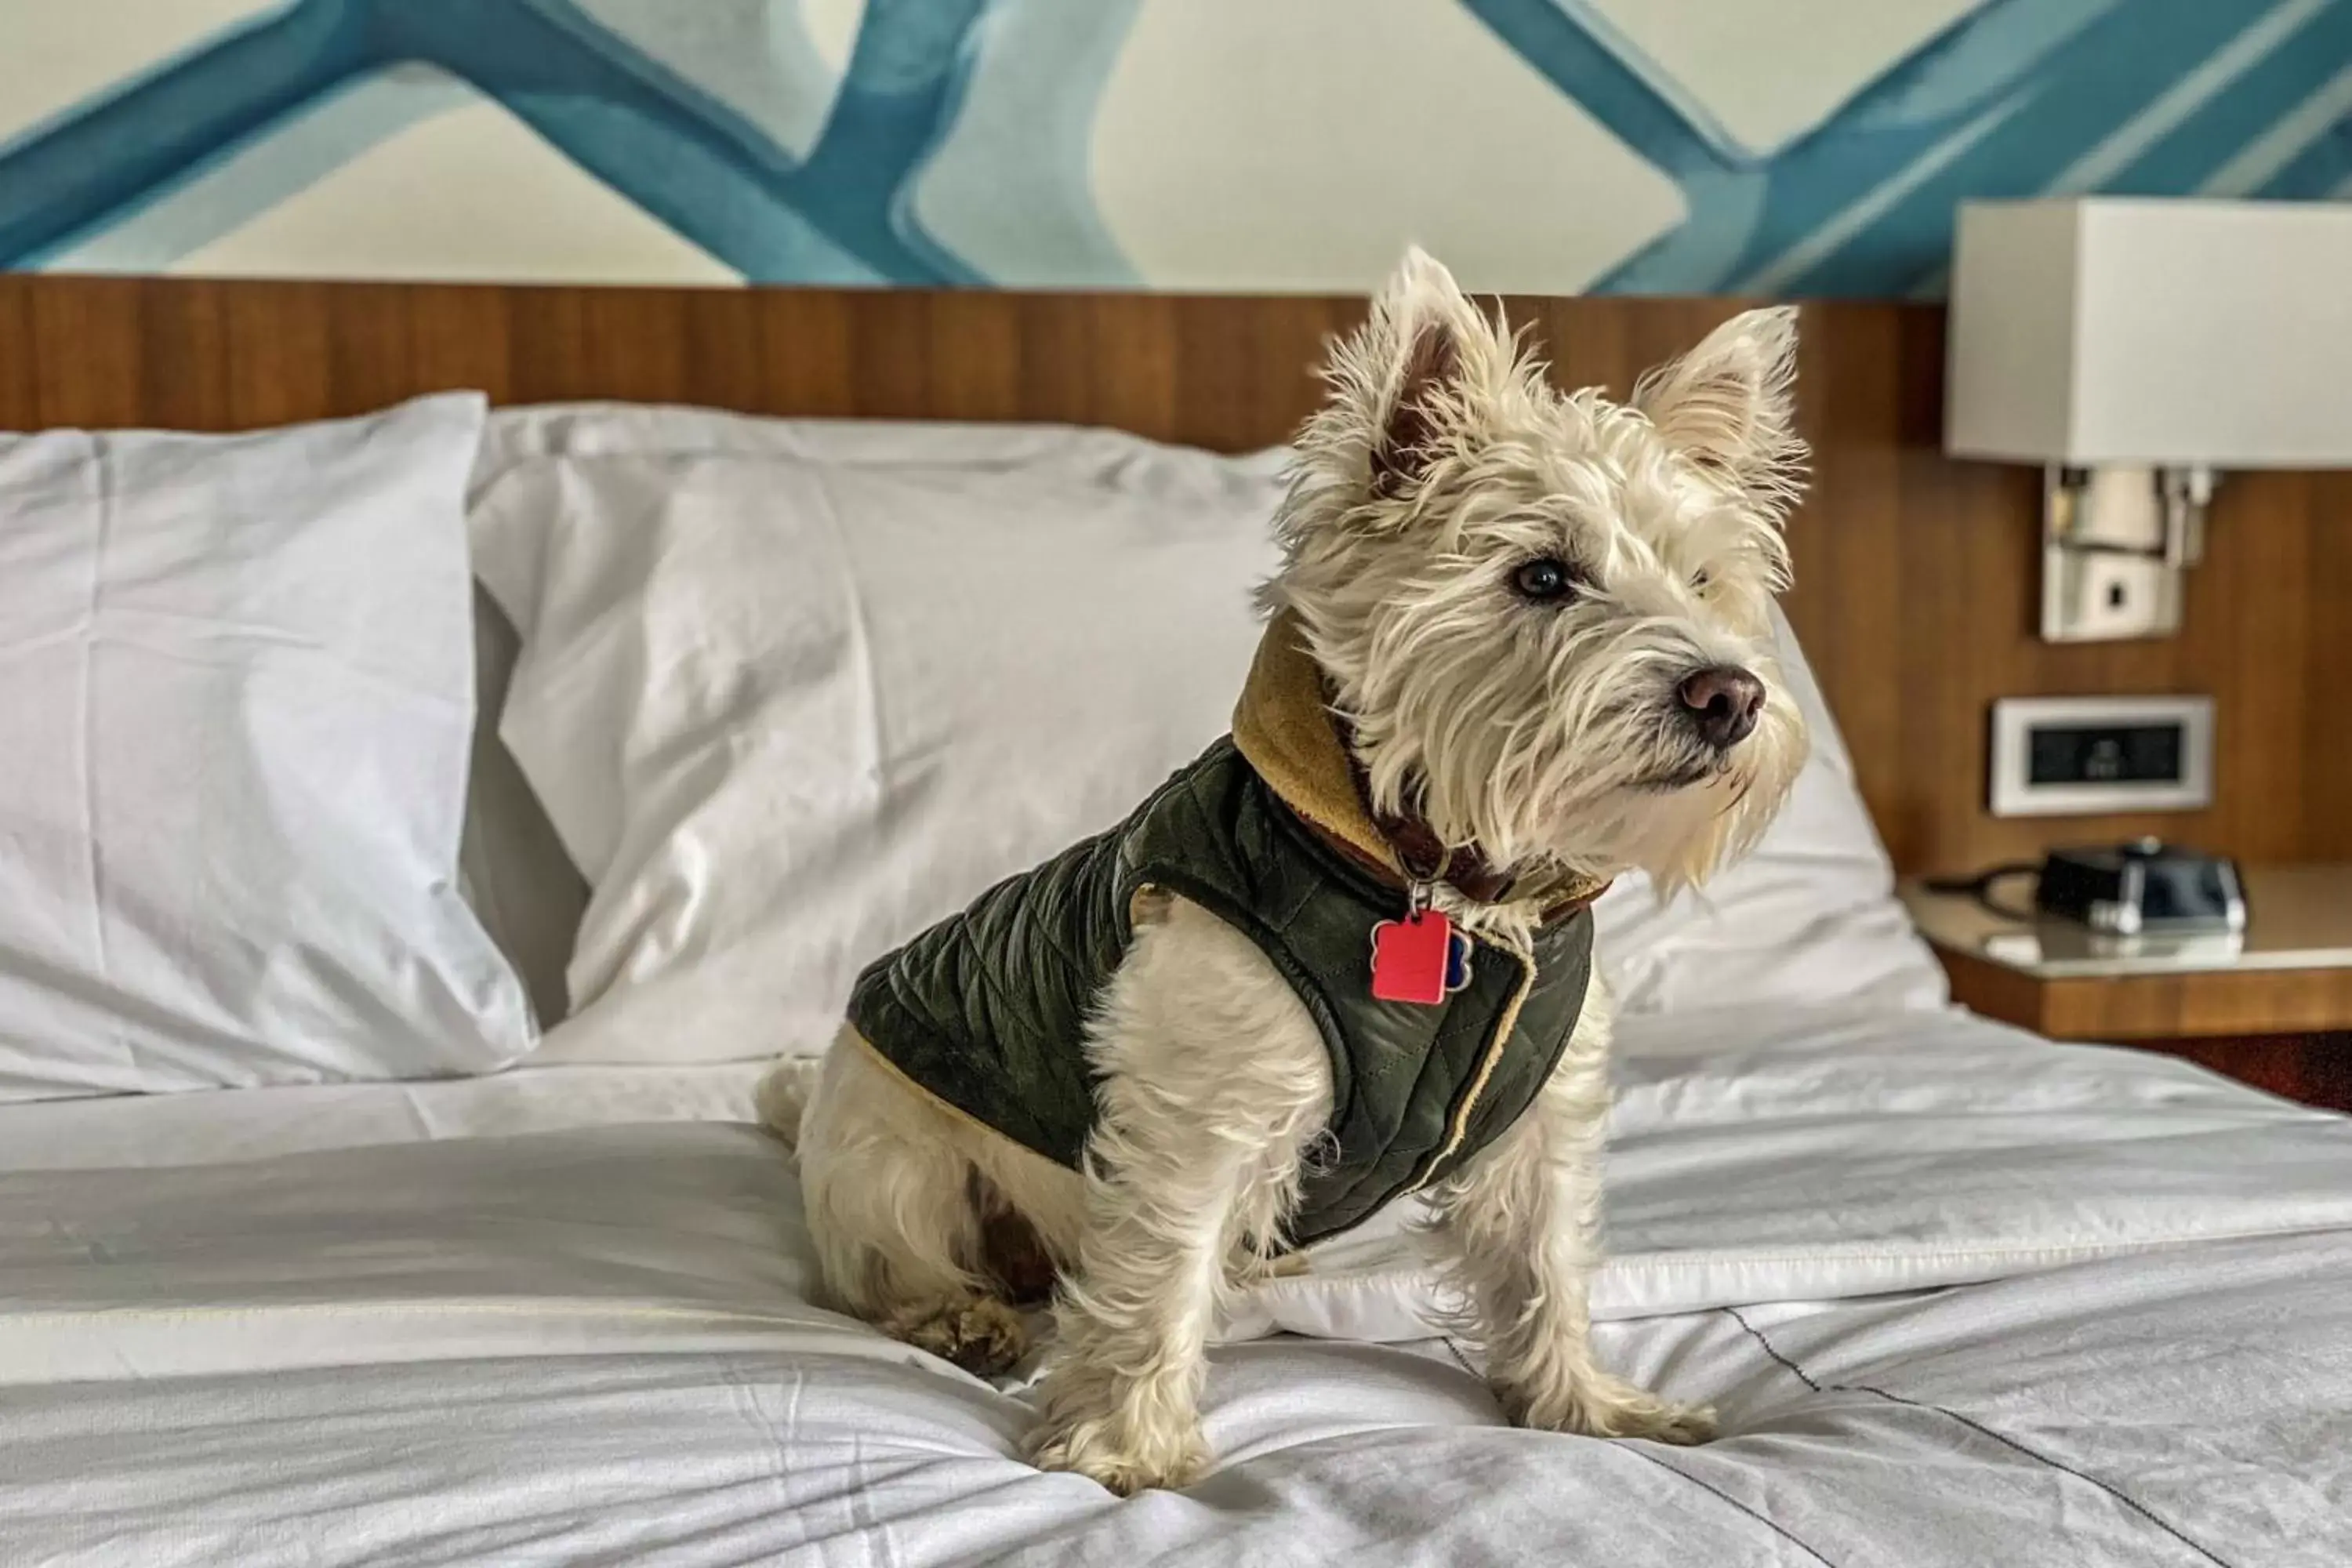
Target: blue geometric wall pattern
(1801, 148)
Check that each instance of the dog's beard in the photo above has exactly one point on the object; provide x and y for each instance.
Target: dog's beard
(1566, 749)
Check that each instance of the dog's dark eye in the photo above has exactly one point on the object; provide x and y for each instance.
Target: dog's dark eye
(1699, 579)
(1545, 581)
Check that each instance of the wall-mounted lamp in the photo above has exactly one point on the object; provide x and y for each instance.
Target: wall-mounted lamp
(2134, 349)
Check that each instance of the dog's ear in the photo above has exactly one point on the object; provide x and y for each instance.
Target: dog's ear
(1419, 323)
(1729, 405)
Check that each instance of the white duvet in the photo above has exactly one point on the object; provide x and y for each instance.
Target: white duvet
(1963, 1298)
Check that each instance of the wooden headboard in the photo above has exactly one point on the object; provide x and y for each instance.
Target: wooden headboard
(1916, 575)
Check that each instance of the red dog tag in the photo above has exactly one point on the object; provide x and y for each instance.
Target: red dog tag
(1411, 957)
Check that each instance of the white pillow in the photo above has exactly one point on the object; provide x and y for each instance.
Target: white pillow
(236, 695)
(785, 714)
(517, 874)
(1082, 453)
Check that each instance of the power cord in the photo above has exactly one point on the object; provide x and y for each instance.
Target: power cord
(1980, 887)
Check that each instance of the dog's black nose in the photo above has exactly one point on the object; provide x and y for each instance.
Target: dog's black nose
(1723, 701)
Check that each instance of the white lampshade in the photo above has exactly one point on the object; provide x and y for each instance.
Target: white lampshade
(2155, 332)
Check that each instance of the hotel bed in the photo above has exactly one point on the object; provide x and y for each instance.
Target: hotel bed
(1961, 1296)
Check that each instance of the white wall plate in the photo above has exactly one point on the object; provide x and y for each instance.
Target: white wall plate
(2074, 756)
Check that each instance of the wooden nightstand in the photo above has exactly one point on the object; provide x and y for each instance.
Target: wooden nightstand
(2276, 1013)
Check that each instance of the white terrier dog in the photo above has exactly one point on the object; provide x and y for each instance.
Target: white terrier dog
(1519, 643)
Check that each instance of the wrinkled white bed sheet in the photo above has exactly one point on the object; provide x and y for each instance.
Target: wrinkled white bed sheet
(596, 1345)
(146, 1131)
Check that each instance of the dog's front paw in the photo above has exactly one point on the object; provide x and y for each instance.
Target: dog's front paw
(1599, 1405)
(1121, 1453)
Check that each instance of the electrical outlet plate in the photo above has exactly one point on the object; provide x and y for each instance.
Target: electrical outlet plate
(2106, 574)
(2073, 756)
(2102, 595)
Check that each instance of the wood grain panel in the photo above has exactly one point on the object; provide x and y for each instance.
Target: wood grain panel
(2213, 1003)
(1916, 595)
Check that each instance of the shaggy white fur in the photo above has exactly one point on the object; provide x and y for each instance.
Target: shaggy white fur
(1512, 594)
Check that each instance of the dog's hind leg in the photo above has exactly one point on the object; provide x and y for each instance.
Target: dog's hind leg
(785, 1094)
(893, 1206)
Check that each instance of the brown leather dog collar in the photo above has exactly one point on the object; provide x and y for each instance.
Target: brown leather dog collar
(1425, 857)
(1419, 853)
(1466, 871)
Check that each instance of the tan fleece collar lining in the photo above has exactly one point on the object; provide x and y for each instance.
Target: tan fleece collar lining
(1284, 728)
